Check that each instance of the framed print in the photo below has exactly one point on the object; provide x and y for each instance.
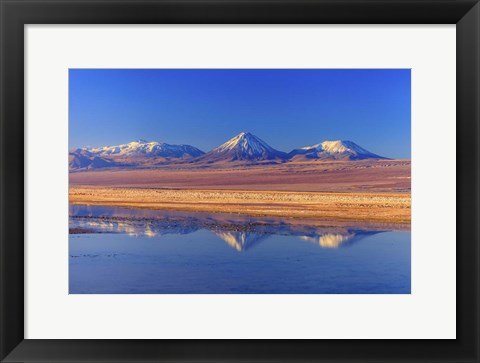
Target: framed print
(239, 181)
(242, 192)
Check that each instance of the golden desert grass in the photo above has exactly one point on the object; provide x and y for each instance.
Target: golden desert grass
(361, 206)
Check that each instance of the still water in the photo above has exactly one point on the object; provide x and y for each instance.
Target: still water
(132, 251)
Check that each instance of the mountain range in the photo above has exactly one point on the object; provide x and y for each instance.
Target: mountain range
(243, 148)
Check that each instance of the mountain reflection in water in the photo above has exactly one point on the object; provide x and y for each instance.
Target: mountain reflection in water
(115, 250)
(238, 232)
(241, 241)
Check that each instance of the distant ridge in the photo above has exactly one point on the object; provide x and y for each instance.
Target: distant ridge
(81, 159)
(243, 148)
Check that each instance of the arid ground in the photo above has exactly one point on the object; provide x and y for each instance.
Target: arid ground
(357, 206)
(373, 190)
(385, 176)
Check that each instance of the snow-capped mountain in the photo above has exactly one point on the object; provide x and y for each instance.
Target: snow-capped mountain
(243, 147)
(336, 150)
(135, 153)
(148, 149)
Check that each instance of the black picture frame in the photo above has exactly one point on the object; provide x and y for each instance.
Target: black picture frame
(15, 14)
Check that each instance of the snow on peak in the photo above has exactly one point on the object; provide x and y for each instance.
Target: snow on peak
(341, 146)
(244, 146)
(146, 148)
(336, 149)
(245, 141)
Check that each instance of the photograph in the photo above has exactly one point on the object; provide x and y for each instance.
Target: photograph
(239, 181)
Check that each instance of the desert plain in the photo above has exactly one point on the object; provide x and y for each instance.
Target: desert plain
(362, 190)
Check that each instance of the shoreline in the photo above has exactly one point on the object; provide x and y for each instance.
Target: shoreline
(337, 206)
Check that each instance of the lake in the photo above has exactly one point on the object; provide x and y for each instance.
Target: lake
(115, 250)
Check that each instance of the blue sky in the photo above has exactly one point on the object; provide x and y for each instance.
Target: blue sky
(204, 107)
